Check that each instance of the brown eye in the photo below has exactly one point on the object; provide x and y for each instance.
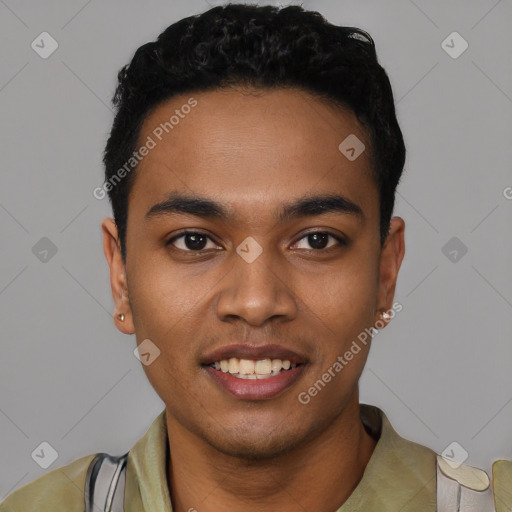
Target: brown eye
(191, 241)
(318, 240)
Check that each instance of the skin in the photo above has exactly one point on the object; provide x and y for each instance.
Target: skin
(253, 151)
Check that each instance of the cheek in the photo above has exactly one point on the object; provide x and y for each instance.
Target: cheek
(343, 313)
(344, 297)
(162, 298)
(165, 311)
(170, 307)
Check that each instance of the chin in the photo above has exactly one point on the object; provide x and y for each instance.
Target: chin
(254, 443)
(254, 450)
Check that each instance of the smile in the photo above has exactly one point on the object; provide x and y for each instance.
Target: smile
(249, 369)
(254, 380)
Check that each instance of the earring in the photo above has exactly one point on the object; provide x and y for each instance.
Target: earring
(385, 315)
(120, 317)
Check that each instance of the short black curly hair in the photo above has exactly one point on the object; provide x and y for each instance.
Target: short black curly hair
(263, 47)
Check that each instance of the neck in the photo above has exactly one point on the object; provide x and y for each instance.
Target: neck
(319, 476)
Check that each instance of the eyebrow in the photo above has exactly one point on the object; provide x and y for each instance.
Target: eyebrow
(177, 203)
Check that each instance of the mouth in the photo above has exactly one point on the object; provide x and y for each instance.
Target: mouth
(253, 370)
(254, 373)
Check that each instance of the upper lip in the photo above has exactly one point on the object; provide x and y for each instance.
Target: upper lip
(244, 351)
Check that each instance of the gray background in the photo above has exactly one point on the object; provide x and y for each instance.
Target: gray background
(441, 370)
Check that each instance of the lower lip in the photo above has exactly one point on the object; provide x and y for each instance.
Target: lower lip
(256, 389)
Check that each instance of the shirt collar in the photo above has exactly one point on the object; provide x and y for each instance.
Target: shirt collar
(146, 470)
(399, 476)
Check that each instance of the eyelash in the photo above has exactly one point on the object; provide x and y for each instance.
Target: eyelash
(341, 241)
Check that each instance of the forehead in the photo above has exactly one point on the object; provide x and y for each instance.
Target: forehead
(251, 149)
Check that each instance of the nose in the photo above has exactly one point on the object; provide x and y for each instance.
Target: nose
(256, 292)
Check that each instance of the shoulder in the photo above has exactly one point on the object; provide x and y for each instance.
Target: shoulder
(403, 453)
(60, 490)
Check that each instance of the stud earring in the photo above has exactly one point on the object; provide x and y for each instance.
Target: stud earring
(120, 317)
(385, 315)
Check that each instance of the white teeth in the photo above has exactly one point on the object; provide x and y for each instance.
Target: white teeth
(256, 376)
(245, 366)
(249, 369)
(276, 365)
(233, 365)
(262, 367)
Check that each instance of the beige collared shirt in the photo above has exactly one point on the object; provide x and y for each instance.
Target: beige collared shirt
(400, 476)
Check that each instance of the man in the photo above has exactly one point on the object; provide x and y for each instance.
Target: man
(252, 167)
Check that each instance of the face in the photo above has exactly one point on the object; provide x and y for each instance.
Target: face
(283, 250)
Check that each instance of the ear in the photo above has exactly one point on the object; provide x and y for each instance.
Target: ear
(112, 250)
(392, 254)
